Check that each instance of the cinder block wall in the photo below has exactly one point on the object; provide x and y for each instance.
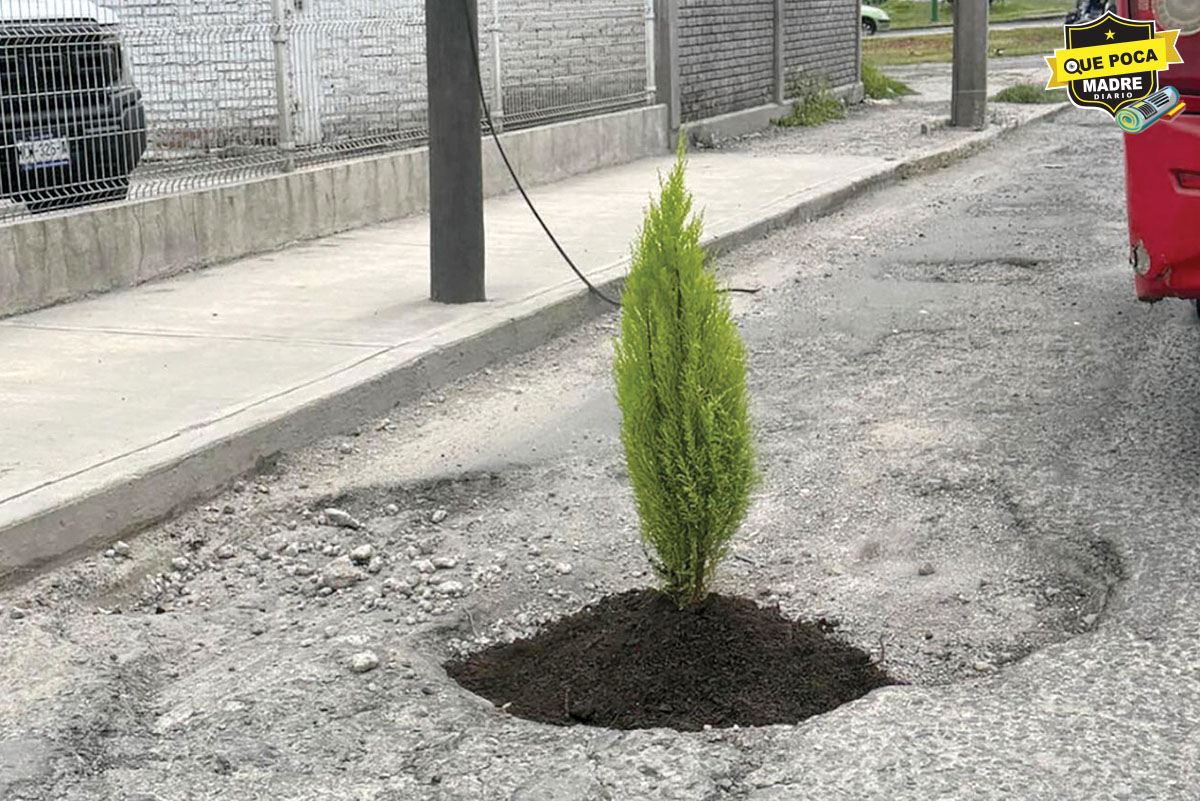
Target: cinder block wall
(727, 50)
(821, 39)
(726, 55)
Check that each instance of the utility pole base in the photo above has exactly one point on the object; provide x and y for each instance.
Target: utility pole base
(456, 247)
(968, 105)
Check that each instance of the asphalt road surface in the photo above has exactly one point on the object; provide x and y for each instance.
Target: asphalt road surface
(951, 371)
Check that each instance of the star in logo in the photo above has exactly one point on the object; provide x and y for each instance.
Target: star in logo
(1108, 34)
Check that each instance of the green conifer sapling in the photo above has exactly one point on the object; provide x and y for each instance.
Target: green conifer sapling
(681, 386)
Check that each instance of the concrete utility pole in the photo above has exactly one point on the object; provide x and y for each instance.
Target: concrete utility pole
(666, 62)
(456, 249)
(968, 107)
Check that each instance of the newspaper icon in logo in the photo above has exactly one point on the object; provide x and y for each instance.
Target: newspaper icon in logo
(1163, 104)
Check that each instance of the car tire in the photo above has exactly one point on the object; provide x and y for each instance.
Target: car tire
(106, 191)
(868, 26)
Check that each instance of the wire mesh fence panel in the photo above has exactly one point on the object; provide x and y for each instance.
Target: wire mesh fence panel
(206, 74)
(358, 76)
(140, 98)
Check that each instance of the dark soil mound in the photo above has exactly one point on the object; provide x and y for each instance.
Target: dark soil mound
(635, 661)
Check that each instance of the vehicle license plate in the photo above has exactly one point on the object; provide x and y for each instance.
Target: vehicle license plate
(43, 153)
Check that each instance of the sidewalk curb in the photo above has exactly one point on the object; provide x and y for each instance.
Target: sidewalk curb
(198, 465)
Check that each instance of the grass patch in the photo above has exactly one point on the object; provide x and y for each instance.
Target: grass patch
(895, 51)
(879, 86)
(910, 14)
(814, 105)
(1030, 93)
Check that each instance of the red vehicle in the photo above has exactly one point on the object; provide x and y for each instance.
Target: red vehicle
(1162, 168)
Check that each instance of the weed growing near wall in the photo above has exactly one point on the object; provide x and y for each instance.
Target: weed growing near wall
(1030, 93)
(878, 86)
(813, 105)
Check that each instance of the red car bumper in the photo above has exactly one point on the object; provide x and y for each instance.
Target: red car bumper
(1162, 184)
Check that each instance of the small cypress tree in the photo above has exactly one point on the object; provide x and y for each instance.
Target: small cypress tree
(681, 387)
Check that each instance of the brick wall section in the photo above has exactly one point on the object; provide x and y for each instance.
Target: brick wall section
(727, 50)
(561, 55)
(821, 40)
(206, 67)
(726, 55)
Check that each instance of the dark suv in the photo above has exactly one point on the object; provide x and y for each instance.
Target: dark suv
(71, 118)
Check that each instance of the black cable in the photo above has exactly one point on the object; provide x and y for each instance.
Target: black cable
(487, 114)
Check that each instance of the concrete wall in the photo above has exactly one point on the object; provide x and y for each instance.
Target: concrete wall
(727, 50)
(52, 259)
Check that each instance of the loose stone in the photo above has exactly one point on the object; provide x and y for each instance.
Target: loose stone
(340, 518)
(364, 662)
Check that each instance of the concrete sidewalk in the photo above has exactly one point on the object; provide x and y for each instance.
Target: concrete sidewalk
(120, 409)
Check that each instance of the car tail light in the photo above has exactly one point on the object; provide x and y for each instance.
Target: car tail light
(1188, 180)
(1181, 14)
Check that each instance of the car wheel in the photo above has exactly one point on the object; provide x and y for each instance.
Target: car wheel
(868, 27)
(58, 199)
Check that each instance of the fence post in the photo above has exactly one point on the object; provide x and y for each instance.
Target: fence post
(497, 74)
(305, 84)
(281, 39)
(780, 54)
(651, 70)
(666, 62)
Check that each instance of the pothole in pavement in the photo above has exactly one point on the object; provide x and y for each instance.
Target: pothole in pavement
(630, 660)
(430, 496)
(1004, 271)
(633, 661)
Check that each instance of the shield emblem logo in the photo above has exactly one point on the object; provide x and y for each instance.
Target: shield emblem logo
(1111, 94)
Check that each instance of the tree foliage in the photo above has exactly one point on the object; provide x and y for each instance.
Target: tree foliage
(681, 387)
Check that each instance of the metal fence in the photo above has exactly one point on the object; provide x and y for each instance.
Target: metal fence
(147, 97)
